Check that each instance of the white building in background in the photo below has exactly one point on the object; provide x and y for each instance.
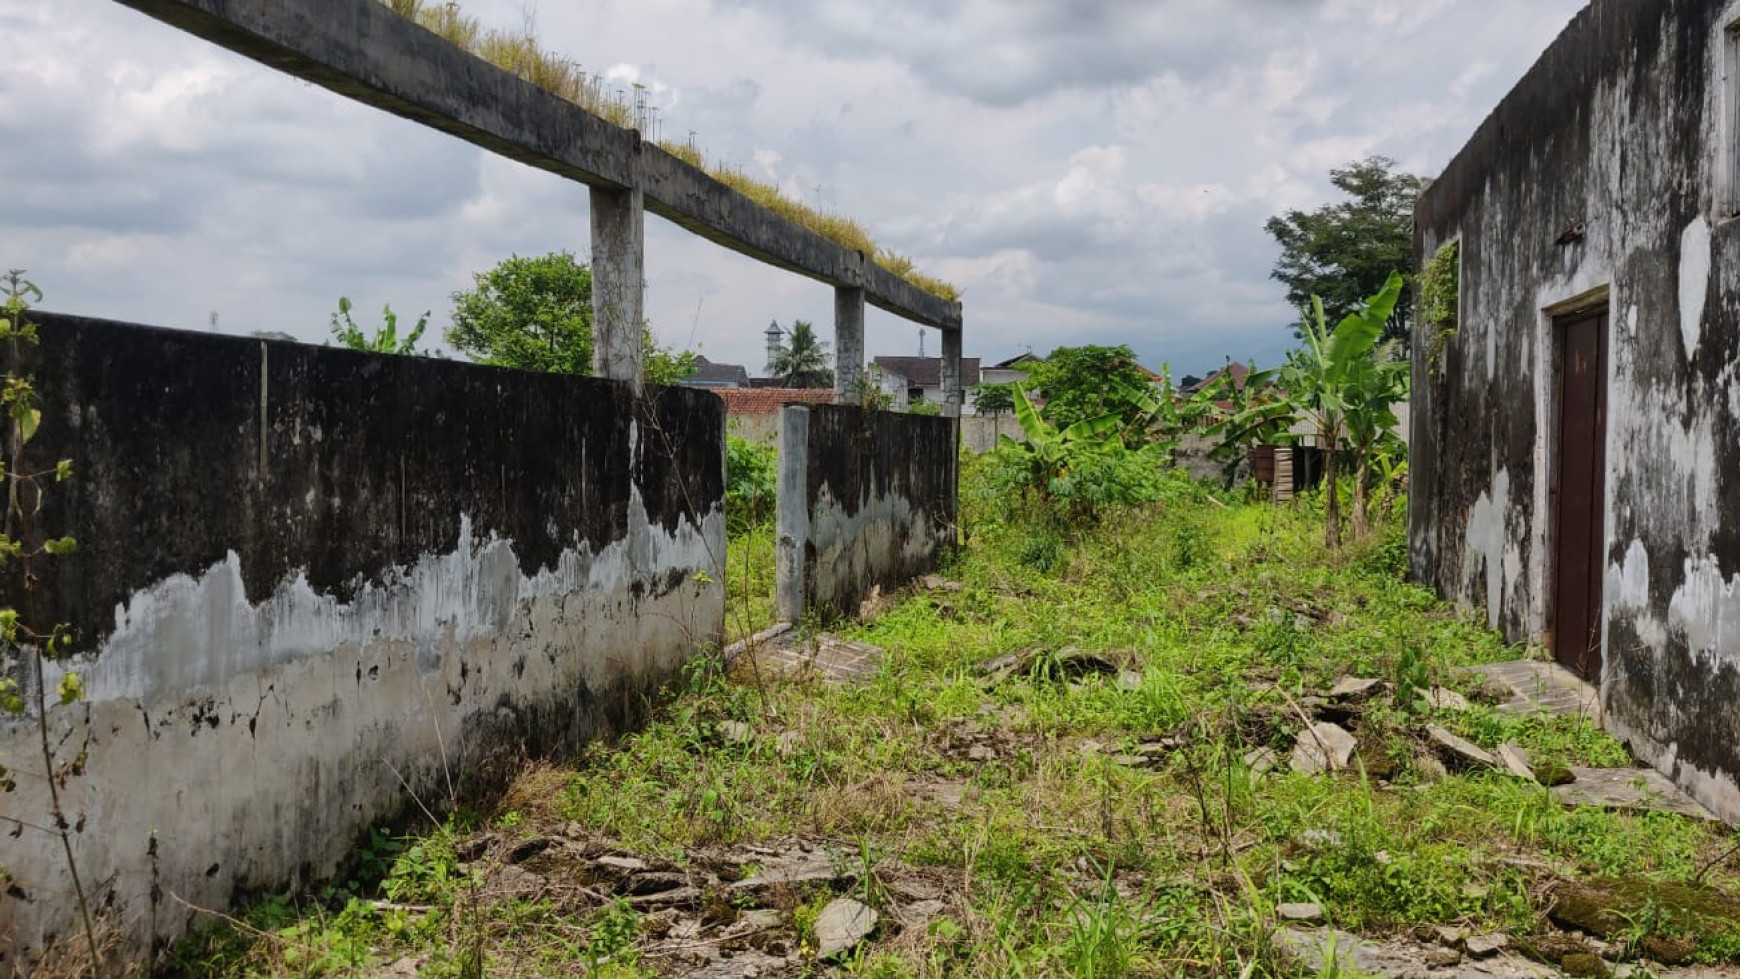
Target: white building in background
(908, 380)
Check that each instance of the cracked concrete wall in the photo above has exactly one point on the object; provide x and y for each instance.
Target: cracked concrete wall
(868, 498)
(1603, 181)
(316, 588)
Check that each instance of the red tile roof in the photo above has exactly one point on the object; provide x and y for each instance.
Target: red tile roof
(766, 401)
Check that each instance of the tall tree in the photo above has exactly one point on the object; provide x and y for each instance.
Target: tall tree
(1344, 252)
(536, 314)
(530, 313)
(802, 360)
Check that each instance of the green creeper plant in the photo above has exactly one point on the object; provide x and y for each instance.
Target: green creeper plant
(1440, 302)
(1343, 385)
(385, 340)
(22, 544)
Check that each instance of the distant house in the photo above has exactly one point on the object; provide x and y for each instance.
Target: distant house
(710, 375)
(1237, 372)
(753, 412)
(1011, 371)
(912, 379)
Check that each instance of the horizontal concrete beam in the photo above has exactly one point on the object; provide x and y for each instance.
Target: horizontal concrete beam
(362, 50)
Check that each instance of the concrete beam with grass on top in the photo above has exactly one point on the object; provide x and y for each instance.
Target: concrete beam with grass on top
(364, 51)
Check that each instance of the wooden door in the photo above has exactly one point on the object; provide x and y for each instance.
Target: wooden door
(1581, 498)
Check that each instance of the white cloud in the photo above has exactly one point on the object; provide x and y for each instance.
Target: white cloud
(1086, 170)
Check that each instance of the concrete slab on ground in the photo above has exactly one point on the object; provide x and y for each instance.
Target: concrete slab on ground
(1629, 788)
(1538, 687)
(830, 658)
(1548, 688)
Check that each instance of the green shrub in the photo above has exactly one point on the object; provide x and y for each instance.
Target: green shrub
(751, 481)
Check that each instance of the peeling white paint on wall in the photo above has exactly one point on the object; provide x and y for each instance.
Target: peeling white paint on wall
(1706, 608)
(1695, 248)
(886, 534)
(249, 743)
(1486, 539)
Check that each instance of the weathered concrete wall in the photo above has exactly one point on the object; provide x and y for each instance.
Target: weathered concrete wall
(980, 433)
(314, 583)
(865, 498)
(762, 428)
(1619, 133)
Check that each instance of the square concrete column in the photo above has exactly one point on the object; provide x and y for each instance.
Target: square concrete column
(792, 514)
(951, 373)
(618, 283)
(848, 346)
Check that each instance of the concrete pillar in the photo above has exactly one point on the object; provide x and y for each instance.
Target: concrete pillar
(618, 283)
(848, 345)
(951, 373)
(791, 514)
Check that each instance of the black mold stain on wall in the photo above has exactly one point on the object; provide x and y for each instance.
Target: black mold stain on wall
(1614, 129)
(331, 462)
(865, 458)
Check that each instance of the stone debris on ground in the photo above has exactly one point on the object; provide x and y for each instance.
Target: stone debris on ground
(1065, 665)
(842, 925)
(719, 911)
(1304, 914)
(1460, 750)
(1356, 688)
(1323, 747)
(1443, 698)
(1262, 760)
(1515, 760)
(1329, 950)
(931, 582)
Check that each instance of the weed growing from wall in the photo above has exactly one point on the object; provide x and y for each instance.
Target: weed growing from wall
(29, 645)
(1441, 302)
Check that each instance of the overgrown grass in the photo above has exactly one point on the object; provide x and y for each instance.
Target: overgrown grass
(520, 53)
(1063, 857)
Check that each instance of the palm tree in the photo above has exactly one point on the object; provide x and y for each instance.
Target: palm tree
(802, 362)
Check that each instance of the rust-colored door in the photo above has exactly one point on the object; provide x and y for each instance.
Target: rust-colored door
(1580, 532)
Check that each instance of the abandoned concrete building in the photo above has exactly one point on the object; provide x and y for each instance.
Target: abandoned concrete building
(1576, 430)
(330, 578)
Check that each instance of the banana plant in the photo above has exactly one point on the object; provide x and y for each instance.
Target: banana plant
(1341, 388)
(1083, 466)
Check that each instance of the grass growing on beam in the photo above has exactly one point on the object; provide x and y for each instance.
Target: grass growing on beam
(520, 54)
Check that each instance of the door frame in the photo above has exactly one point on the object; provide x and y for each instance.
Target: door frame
(1593, 305)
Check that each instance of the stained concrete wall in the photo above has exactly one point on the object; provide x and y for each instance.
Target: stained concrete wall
(979, 433)
(1602, 181)
(313, 584)
(866, 498)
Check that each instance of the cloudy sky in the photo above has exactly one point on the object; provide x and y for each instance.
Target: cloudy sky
(1087, 171)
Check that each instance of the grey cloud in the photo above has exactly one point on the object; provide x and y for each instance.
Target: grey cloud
(1007, 52)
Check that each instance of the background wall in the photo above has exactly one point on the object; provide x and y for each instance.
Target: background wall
(865, 498)
(313, 583)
